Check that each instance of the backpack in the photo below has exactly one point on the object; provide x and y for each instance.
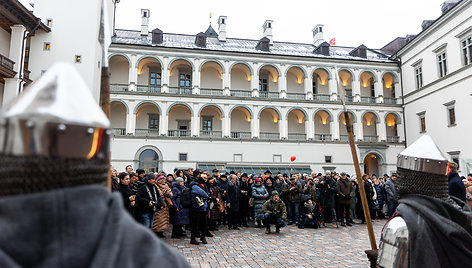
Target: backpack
(186, 198)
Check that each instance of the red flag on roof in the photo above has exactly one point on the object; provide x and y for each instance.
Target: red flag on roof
(332, 41)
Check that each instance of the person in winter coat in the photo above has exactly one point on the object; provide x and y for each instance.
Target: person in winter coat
(369, 192)
(456, 187)
(381, 197)
(260, 194)
(328, 190)
(149, 200)
(279, 186)
(246, 193)
(274, 212)
(233, 197)
(214, 204)
(170, 180)
(310, 189)
(198, 217)
(161, 218)
(292, 192)
(179, 216)
(223, 184)
(269, 185)
(345, 190)
(127, 194)
(310, 215)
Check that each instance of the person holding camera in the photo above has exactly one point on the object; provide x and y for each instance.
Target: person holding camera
(345, 190)
(126, 192)
(149, 200)
(275, 212)
(198, 211)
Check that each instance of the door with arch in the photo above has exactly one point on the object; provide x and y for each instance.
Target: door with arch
(371, 164)
(149, 160)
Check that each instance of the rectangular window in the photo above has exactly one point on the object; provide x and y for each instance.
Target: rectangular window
(78, 59)
(455, 158)
(237, 158)
(467, 50)
(442, 64)
(182, 156)
(419, 77)
(207, 123)
(263, 85)
(315, 85)
(153, 121)
(47, 46)
(421, 116)
(277, 158)
(49, 23)
(185, 81)
(451, 113)
(154, 81)
(328, 159)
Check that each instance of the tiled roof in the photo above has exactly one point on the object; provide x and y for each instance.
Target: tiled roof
(170, 40)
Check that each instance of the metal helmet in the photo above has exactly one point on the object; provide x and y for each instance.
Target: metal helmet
(422, 169)
(54, 135)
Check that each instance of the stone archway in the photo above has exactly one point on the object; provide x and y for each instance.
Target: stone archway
(373, 164)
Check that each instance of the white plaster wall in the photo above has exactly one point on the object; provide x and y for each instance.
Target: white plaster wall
(239, 122)
(124, 151)
(119, 71)
(369, 130)
(4, 43)
(239, 80)
(118, 115)
(210, 78)
(178, 113)
(365, 91)
(392, 131)
(292, 84)
(293, 124)
(142, 116)
(319, 127)
(267, 122)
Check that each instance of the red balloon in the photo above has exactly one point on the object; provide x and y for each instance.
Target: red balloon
(292, 158)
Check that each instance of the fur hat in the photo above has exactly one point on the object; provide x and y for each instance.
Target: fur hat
(274, 193)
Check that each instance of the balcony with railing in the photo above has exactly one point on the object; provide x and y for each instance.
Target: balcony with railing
(368, 99)
(390, 100)
(295, 96)
(179, 133)
(210, 134)
(269, 136)
(6, 67)
(119, 87)
(26, 76)
(180, 90)
(211, 92)
(240, 135)
(241, 93)
(393, 139)
(349, 98)
(322, 137)
(297, 136)
(148, 88)
(343, 137)
(269, 95)
(119, 131)
(368, 138)
(321, 97)
(147, 132)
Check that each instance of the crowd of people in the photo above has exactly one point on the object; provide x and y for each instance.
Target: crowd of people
(200, 202)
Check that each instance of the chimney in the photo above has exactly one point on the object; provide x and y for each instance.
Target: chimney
(268, 31)
(318, 35)
(157, 36)
(144, 22)
(222, 28)
(263, 44)
(200, 40)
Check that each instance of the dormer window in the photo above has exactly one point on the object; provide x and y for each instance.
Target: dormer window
(145, 14)
(320, 29)
(222, 21)
(269, 25)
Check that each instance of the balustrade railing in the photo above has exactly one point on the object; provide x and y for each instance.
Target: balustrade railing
(368, 138)
(390, 100)
(119, 131)
(343, 137)
(269, 136)
(241, 93)
(6, 62)
(269, 95)
(180, 90)
(148, 88)
(349, 98)
(118, 87)
(179, 133)
(394, 139)
(146, 132)
(240, 135)
(297, 136)
(322, 137)
(368, 99)
(321, 97)
(296, 96)
(210, 133)
(211, 92)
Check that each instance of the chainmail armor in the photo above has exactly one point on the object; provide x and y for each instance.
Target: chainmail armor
(414, 182)
(32, 174)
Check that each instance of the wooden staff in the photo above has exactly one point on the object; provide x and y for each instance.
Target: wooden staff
(105, 105)
(360, 182)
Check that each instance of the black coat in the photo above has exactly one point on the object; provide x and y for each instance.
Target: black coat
(244, 201)
(381, 194)
(234, 195)
(126, 192)
(144, 199)
(456, 186)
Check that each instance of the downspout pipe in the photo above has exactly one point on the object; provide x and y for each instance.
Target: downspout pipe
(22, 63)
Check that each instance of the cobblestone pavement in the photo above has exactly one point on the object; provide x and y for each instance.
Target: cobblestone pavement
(250, 247)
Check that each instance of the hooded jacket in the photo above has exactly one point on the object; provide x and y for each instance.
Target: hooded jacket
(84, 226)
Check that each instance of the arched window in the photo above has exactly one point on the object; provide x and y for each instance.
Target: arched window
(149, 160)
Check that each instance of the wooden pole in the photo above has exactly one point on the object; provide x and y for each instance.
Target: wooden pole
(360, 182)
(105, 105)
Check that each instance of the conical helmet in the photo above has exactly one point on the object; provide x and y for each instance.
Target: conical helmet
(54, 135)
(422, 169)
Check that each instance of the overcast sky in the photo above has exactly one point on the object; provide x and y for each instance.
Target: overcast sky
(370, 22)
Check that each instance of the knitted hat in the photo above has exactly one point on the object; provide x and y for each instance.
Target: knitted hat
(149, 176)
(258, 180)
(179, 179)
(274, 193)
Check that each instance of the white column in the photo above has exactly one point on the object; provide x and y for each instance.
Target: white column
(255, 123)
(398, 93)
(196, 76)
(226, 79)
(193, 125)
(308, 84)
(283, 127)
(282, 84)
(378, 87)
(333, 88)
(13, 86)
(129, 119)
(356, 86)
(224, 126)
(401, 132)
(133, 124)
(133, 73)
(163, 120)
(359, 126)
(334, 127)
(310, 128)
(255, 82)
(382, 127)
